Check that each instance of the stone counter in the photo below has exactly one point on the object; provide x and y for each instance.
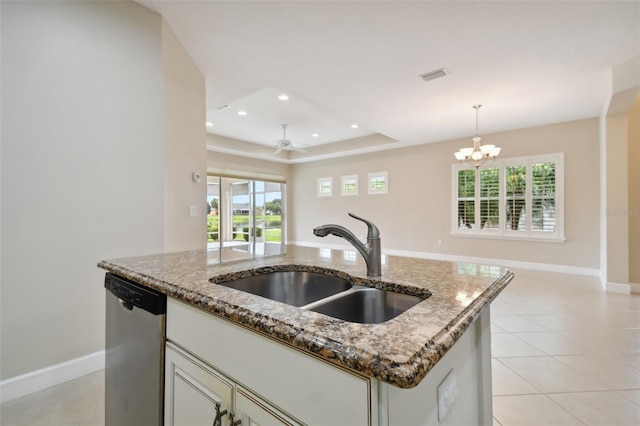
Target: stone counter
(400, 351)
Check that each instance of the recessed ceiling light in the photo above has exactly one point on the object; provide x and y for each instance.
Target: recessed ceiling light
(209, 124)
(283, 97)
(315, 135)
(354, 126)
(242, 112)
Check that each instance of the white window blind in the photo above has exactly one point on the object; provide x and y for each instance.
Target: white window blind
(519, 198)
(489, 198)
(543, 197)
(516, 187)
(466, 198)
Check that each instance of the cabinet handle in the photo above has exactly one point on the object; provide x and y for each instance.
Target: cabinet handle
(233, 421)
(217, 421)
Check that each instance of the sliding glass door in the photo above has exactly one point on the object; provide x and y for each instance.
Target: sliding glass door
(213, 212)
(268, 211)
(244, 213)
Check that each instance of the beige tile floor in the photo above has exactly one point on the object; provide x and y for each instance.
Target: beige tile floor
(564, 353)
(79, 402)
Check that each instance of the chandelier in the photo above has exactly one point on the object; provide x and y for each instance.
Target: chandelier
(479, 153)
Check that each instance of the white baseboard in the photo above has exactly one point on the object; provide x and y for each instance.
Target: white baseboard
(47, 377)
(566, 269)
(618, 288)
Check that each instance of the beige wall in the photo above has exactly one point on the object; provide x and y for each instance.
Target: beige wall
(185, 147)
(634, 192)
(617, 199)
(82, 168)
(84, 161)
(417, 211)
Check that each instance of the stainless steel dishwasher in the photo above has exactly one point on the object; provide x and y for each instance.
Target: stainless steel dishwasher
(134, 367)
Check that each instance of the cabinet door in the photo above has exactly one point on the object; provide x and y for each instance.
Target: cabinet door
(194, 393)
(253, 411)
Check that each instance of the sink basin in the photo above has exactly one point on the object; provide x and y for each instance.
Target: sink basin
(292, 287)
(326, 294)
(366, 305)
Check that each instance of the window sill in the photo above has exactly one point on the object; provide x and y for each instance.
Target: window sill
(497, 236)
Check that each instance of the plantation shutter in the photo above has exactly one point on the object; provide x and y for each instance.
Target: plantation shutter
(543, 197)
(466, 198)
(489, 198)
(515, 196)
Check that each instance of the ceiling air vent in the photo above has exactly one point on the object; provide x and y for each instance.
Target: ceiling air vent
(432, 75)
(223, 107)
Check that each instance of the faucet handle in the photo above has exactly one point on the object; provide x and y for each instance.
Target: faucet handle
(374, 232)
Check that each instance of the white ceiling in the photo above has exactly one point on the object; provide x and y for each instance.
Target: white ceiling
(529, 63)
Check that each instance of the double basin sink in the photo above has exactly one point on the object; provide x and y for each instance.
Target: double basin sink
(328, 295)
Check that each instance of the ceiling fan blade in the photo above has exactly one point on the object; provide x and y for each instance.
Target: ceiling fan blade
(278, 150)
(295, 148)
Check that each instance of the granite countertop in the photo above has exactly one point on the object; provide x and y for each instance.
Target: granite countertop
(400, 351)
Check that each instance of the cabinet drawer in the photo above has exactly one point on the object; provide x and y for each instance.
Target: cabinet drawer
(305, 387)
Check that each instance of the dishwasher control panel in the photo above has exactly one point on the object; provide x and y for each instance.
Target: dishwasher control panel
(136, 294)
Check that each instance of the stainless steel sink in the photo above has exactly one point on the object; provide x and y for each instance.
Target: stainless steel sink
(326, 294)
(365, 305)
(295, 288)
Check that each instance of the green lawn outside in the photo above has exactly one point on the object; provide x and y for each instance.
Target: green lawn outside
(271, 234)
(274, 235)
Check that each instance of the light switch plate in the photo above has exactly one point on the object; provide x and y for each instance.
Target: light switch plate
(447, 393)
(193, 210)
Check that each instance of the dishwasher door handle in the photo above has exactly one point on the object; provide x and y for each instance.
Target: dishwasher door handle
(128, 306)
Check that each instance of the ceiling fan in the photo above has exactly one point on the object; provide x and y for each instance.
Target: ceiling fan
(286, 145)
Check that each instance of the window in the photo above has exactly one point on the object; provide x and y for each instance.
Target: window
(243, 212)
(349, 185)
(466, 198)
(489, 198)
(519, 198)
(378, 183)
(325, 187)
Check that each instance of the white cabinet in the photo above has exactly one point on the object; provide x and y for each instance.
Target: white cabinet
(265, 382)
(273, 383)
(253, 411)
(196, 395)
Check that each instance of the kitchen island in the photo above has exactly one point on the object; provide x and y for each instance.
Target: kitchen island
(393, 363)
